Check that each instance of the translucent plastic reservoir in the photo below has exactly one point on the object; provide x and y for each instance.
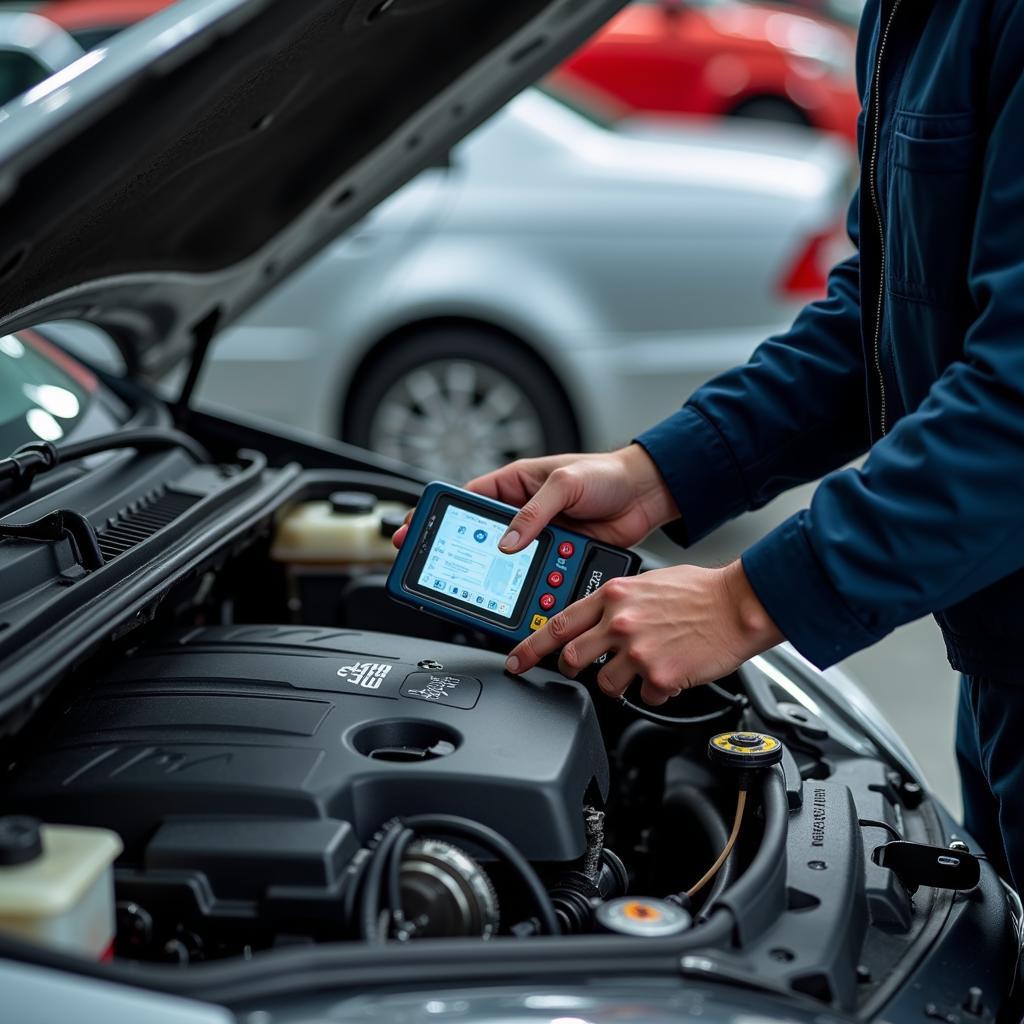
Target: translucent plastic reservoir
(350, 527)
(59, 892)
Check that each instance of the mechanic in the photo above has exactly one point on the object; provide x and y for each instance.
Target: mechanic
(916, 356)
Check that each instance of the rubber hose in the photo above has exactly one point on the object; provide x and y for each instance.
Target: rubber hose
(501, 848)
(700, 808)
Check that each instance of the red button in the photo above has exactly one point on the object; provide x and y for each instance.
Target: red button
(567, 549)
(547, 601)
(555, 579)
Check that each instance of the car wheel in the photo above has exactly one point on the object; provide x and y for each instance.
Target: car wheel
(771, 108)
(457, 402)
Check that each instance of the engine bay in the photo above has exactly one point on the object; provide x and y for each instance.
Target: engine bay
(294, 763)
(248, 768)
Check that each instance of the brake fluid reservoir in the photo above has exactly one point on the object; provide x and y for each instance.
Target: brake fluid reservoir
(350, 527)
(57, 885)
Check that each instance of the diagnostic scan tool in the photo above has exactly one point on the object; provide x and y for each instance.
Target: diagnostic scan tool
(450, 566)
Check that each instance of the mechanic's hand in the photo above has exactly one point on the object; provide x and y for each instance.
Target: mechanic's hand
(674, 628)
(617, 497)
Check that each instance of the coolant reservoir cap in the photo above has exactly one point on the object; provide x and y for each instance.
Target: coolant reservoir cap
(20, 840)
(745, 750)
(643, 917)
(390, 522)
(352, 503)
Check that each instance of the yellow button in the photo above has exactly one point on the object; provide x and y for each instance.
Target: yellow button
(537, 621)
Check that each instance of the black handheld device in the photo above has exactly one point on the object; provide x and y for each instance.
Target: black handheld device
(450, 565)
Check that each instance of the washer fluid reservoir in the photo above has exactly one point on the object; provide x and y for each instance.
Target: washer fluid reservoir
(350, 527)
(57, 885)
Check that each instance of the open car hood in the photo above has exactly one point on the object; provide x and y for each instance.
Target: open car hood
(160, 185)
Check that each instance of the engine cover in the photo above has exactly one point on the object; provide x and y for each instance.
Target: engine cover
(238, 727)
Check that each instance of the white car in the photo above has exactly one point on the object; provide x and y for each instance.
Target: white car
(556, 283)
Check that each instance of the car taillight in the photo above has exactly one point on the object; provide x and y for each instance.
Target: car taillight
(807, 278)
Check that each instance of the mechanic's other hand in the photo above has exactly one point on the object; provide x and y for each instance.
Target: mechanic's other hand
(674, 628)
(617, 497)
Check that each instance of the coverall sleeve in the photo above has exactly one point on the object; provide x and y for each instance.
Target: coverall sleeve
(937, 511)
(794, 412)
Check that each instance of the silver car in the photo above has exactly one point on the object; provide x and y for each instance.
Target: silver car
(558, 283)
(31, 48)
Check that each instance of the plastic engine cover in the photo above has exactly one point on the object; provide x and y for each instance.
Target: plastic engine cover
(240, 724)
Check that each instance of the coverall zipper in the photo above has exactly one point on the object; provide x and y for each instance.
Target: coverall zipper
(876, 91)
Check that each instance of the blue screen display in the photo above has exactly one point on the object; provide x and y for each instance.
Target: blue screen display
(465, 564)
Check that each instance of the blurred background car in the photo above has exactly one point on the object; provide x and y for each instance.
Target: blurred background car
(846, 12)
(559, 282)
(31, 49)
(724, 58)
(93, 22)
(784, 60)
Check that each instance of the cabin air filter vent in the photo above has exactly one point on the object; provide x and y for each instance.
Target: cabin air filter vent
(142, 519)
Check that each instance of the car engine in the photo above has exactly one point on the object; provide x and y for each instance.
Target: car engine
(248, 768)
(298, 771)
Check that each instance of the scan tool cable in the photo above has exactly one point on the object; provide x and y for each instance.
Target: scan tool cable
(733, 704)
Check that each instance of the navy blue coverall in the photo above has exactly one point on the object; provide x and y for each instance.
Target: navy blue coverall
(916, 354)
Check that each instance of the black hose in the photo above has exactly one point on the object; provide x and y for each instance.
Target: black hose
(497, 844)
(394, 867)
(700, 808)
(30, 460)
(369, 903)
(347, 968)
(758, 897)
(356, 875)
(152, 439)
(732, 705)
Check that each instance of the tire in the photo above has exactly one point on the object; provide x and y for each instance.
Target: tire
(456, 402)
(772, 108)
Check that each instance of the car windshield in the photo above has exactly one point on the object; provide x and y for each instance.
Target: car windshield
(40, 397)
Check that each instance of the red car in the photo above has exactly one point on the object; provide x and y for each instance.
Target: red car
(713, 57)
(723, 57)
(91, 22)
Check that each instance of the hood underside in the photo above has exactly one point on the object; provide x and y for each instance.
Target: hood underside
(161, 185)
